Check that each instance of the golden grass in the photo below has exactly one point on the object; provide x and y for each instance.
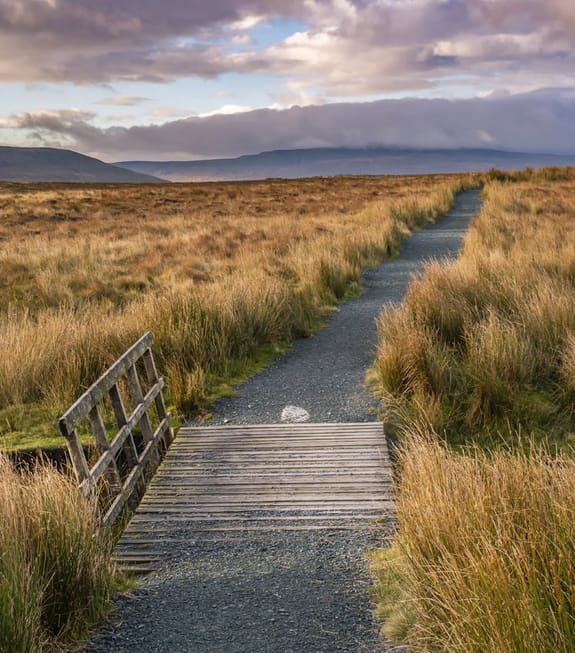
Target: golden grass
(484, 346)
(75, 243)
(485, 559)
(483, 350)
(216, 271)
(56, 574)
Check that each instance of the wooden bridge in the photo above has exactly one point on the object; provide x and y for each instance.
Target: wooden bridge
(218, 482)
(242, 481)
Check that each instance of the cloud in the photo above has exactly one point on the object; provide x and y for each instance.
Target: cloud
(357, 49)
(227, 109)
(350, 48)
(83, 41)
(123, 101)
(540, 121)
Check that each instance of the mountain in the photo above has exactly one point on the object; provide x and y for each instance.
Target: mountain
(50, 164)
(326, 162)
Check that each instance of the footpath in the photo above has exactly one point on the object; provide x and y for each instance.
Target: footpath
(266, 583)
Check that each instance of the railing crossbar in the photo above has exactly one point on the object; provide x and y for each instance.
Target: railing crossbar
(122, 480)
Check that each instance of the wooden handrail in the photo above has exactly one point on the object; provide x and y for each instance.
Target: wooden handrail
(140, 456)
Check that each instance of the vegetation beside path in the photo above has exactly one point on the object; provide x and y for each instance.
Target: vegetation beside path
(56, 572)
(477, 368)
(216, 291)
(223, 274)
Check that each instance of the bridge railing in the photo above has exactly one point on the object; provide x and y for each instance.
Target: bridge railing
(128, 399)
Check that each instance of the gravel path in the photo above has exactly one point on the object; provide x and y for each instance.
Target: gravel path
(325, 374)
(281, 591)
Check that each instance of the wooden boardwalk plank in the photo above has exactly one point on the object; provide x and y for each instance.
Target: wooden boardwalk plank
(238, 481)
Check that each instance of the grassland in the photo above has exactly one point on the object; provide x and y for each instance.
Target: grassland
(485, 345)
(477, 368)
(223, 274)
(56, 573)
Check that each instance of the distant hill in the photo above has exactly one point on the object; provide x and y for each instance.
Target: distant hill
(327, 162)
(50, 164)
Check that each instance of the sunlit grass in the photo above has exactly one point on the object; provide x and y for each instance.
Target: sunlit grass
(483, 350)
(485, 559)
(484, 345)
(56, 572)
(218, 272)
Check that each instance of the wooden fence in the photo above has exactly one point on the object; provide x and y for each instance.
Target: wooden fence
(128, 458)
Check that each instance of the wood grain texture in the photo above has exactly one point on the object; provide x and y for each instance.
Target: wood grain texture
(241, 481)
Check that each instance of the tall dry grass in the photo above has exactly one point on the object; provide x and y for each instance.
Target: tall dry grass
(485, 559)
(482, 350)
(270, 278)
(483, 346)
(56, 574)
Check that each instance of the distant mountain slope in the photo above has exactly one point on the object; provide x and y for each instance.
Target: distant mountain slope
(50, 164)
(339, 161)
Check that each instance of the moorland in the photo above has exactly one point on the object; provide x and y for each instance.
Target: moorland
(224, 275)
(476, 368)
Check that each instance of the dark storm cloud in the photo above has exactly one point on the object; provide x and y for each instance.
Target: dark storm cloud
(538, 122)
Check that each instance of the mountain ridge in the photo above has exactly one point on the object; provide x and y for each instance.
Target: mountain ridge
(49, 164)
(311, 162)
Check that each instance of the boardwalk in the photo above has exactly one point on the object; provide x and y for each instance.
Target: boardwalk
(232, 481)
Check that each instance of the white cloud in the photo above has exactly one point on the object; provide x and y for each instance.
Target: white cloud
(226, 110)
(247, 23)
(351, 48)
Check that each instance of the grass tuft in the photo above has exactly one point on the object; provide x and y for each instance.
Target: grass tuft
(485, 560)
(485, 343)
(56, 573)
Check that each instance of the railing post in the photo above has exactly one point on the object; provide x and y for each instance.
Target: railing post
(101, 436)
(79, 462)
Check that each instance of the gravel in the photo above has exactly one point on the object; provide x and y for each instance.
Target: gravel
(285, 591)
(325, 373)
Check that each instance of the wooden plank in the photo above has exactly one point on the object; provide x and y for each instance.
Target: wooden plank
(94, 395)
(301, 508)
(303, 426)
(136, 532)
(80, 462)
(138, 398)
(244, 481)
(251, 527)
(135, 477)
(188, 484)
(205, 503)
(124, 433)
(214, 478)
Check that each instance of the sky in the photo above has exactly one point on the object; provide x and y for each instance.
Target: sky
(197, 79)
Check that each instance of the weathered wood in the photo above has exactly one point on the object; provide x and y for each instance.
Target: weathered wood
(103, 444)
(79, 460)
(96, 392)
(226, 482)
(127, 479)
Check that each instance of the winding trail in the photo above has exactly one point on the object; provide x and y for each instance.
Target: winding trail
(325, 374)
(283, 588)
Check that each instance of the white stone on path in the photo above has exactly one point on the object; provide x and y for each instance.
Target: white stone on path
(294, 415)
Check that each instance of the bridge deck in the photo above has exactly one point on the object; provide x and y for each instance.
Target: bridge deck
(244, 481)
